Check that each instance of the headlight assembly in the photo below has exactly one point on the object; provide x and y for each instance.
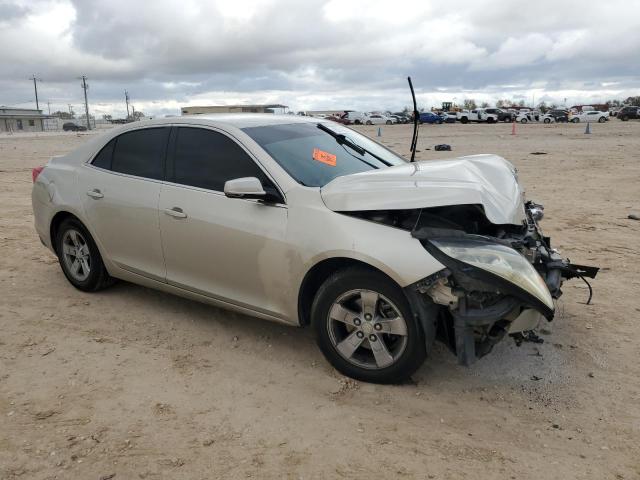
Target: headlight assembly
(501, 261)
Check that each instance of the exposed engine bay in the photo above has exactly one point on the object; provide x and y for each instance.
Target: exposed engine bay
(499, 279)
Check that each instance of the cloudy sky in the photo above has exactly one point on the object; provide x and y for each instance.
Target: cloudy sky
(316, 54)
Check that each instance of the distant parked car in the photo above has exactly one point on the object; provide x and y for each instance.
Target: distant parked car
(377, 119)
(449, 117)
(503, 115)
(357, 118)
(478, 115)
(590, 116)
(430, 117)
(335, 118)
(628, 113)
(72, 127)
(560, 116)
(402, 118)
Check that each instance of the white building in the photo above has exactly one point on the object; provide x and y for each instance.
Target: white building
(21, 120)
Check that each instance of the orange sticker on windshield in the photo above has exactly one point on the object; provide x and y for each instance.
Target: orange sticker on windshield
(324, 157)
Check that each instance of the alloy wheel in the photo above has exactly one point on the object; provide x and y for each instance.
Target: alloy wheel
(75, 254)
(367, 329)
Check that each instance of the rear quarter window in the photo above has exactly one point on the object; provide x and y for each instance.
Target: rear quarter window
(103, 158)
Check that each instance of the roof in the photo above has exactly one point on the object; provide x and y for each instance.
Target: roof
(237, 120)
(275, 105)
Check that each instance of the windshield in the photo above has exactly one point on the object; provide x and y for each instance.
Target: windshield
(313, 157)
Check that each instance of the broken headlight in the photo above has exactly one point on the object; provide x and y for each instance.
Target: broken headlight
(499, 260)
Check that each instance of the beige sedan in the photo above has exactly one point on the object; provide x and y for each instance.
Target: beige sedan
(306, 222)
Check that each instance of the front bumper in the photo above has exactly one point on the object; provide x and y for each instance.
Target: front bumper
(478, 309)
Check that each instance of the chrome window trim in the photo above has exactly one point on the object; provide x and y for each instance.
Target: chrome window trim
(89, 162)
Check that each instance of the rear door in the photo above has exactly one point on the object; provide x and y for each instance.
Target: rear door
(120, 190)
(230, 249)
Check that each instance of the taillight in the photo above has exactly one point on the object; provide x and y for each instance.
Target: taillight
(35, 172)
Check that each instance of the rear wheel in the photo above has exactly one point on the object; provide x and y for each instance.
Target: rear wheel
(523, 120)
(624, 118)
(365, 327)
(388, 122)
(79, 257)
(464, 120)
(547, 120)
(602, 120)
(575, 120)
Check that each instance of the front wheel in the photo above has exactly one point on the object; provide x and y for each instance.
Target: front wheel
(547, 120)
(524, 120)
(602, 120)
(79, 257)
(365, 327)
(464, 120)
(624, 118)
(388, 122)
(575, 120)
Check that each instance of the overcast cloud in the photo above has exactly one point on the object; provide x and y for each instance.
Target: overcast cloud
(316, 54)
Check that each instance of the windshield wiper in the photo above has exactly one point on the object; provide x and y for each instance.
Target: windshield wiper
(343, 140)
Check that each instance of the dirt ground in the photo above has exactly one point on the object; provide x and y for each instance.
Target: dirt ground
(139, 384)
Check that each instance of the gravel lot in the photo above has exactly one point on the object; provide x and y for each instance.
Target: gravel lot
(141, 384)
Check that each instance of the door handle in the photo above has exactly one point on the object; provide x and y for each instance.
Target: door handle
(95, 193)
(175, 212)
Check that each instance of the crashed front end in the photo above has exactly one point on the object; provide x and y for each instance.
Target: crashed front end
(501, 273)
(499, 279)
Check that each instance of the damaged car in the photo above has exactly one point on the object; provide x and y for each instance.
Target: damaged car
(307, 222)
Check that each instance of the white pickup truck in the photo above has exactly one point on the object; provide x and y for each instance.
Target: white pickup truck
(589, 116)
(477, 115)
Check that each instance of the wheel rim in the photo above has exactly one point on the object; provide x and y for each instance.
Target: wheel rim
(367, 329)
(75, 254)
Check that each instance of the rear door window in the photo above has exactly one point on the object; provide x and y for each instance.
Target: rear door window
(207, 159)
(141, 153)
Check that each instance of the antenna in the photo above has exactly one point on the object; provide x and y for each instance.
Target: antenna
(416, 119)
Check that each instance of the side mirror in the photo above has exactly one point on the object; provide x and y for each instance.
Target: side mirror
(246, 187)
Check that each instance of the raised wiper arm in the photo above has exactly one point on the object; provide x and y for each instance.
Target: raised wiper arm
(343, 140)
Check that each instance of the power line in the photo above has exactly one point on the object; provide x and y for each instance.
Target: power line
(35, 87)
(86, 102)
(126, 99)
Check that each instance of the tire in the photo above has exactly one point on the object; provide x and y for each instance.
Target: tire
(388, 122)
(602, 120)
(547, 120)
(91, 274)
(490, 120)
(369, 122)
(575, 120)
(464, 120)
(398, 355)
(506, 119)
(524, 120)
(624, 118)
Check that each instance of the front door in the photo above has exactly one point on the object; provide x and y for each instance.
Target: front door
(227, 248)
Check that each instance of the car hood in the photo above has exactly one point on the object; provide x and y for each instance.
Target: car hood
(487, 180)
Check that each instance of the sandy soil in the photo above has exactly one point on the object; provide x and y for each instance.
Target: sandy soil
(138, 384)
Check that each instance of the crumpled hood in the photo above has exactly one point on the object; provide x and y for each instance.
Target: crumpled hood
(487, 180)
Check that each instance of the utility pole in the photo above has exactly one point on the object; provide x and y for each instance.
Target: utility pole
(86, 103)
(133, 112)
(49, 107)
(35, 87)
(126, 99)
